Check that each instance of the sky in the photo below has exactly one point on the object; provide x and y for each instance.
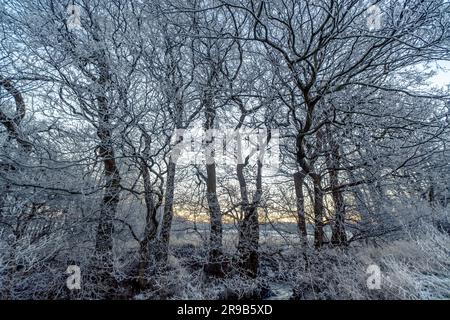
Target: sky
(442, 79)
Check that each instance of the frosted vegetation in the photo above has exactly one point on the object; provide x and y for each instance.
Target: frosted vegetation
(336, 183)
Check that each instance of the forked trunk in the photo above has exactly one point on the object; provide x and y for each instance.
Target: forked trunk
(338, 236)
(214, 266)
(164, 236)
(147, 250)
(248, 246)
(110, 201)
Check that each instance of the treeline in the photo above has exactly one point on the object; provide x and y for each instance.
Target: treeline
(93, 92)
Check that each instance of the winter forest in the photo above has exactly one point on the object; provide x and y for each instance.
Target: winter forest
(224, 149)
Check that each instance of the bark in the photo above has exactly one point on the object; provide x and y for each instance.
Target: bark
(12, 124)
(308, 169)
(146, 254)
(166, 225)
(338, 236)
(215, 237)
(214, 266)
(110, 201)
(248, 246)
(318, 211)
(299, 178)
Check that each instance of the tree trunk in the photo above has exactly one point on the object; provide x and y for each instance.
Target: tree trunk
(214, 266)
(12, 124)
(318, 211)
(13, 129)
(215, 237)
(164, 236)
(338, 235)
(103, 244)
(146, 254)
(248, 246)
(299, 178)
(110, 201)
